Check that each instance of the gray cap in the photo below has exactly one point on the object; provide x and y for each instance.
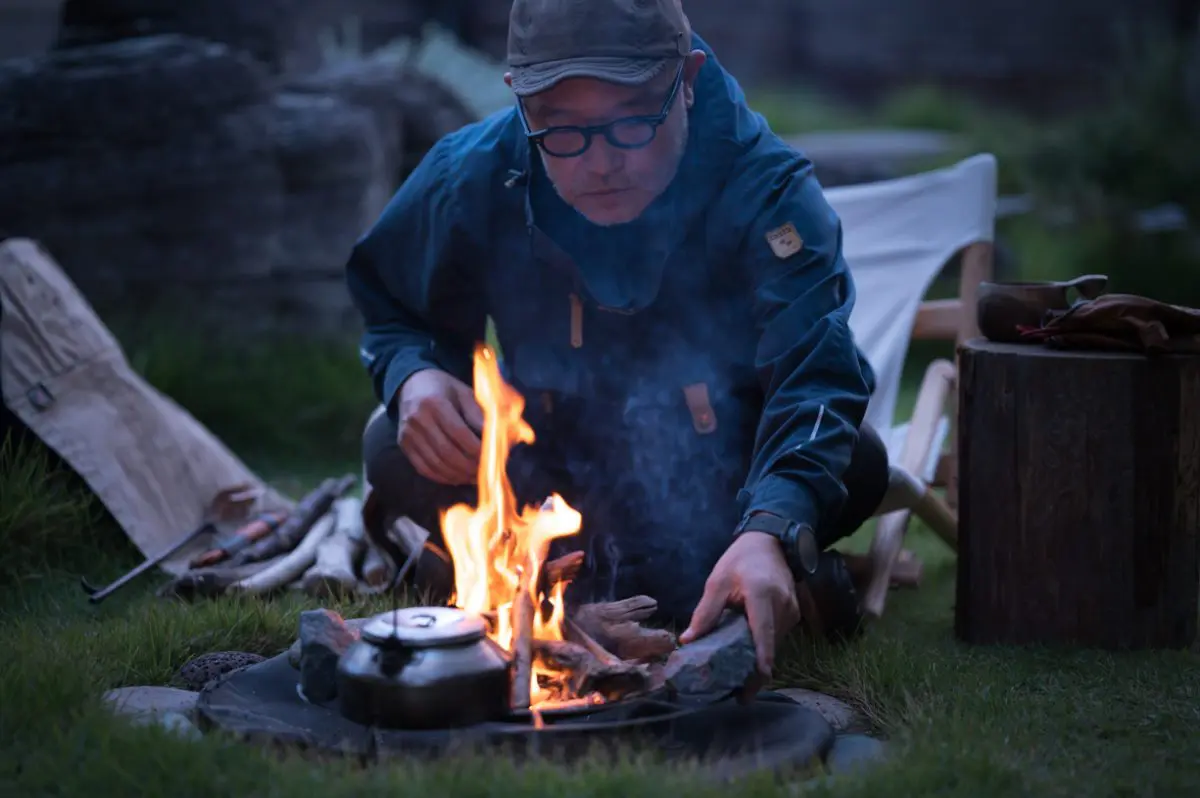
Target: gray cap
(619, 41)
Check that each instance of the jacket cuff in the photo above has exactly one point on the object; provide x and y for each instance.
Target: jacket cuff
(783, 497)
(403, 366)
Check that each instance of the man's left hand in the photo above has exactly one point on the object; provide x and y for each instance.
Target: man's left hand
(754, 575)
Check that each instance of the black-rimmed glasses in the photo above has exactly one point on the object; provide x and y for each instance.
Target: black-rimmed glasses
(627, 133)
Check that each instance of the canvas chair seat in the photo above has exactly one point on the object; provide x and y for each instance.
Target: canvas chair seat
(897, 236)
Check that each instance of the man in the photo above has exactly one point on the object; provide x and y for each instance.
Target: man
(668, 291)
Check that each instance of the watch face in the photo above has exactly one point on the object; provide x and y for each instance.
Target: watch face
(808, 554)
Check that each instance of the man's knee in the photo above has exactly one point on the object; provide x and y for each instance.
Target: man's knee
(401, 488)
(383, 462)
(866, 482)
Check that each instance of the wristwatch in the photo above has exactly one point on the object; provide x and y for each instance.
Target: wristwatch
(800, 547)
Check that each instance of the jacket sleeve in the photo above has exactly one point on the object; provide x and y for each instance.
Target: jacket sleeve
(816, 384)
(412, 279)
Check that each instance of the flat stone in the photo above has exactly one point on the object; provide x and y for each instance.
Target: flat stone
(324, 637)
(173, 722)
(717, 664)
(852, 753)
(148, 700)
(841, 716)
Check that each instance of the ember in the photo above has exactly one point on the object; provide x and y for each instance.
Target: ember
(499, 549)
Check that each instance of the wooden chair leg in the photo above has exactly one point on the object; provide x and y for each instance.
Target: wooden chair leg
(918, 444)
(939, 517)
(885, 548)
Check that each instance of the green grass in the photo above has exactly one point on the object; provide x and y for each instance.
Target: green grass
(962, 721)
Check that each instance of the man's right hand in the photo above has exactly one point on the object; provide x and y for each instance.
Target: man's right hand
(439, 427)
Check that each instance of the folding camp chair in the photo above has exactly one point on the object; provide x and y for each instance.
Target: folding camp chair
(897, 237)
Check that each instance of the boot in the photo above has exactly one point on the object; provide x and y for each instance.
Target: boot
(829, 603)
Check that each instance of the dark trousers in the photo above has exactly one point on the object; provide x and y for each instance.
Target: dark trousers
(658, 546)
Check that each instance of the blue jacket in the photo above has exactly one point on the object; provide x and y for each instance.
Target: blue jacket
(707, 300)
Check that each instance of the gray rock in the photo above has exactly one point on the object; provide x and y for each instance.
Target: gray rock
(128, 94)
(715, 665)
(324, 637)
(166, 134)
(335, 174)
(267, 29)
(841, 716)
(355, 625)
(851, 753)
(149, 700)
(198, 672)
(411, 110)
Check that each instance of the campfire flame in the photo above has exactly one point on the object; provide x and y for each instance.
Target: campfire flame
(498, 549)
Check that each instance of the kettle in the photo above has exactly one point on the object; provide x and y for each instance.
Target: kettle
(424, 668)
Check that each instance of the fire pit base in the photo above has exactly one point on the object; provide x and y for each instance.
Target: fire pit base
(262, 703)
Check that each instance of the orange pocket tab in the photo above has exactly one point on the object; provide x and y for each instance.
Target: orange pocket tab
(704, 419)
(576, 322)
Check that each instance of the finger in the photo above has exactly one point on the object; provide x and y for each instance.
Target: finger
(470, 410)
(426, 462)
(424, 457)
(706, 614)
(454, 427)
(760, 614)
(454, 462)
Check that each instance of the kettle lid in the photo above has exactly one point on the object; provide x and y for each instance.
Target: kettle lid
(420, 627)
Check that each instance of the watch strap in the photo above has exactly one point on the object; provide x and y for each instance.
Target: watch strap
(773, 525)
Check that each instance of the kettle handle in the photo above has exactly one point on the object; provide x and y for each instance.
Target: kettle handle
(393, 659)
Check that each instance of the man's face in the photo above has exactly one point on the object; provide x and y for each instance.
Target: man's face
(608, 184)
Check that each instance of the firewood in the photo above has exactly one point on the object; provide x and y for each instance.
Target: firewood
(522, 646)
(632, 641)
(288, 568)
(587, 674)
(578, 636)
(592, 617)
(563, 569)
(615, 626)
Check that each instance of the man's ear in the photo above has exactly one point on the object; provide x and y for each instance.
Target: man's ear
(508, 79)
(691, 70)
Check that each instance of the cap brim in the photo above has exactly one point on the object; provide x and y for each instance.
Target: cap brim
(536, 78)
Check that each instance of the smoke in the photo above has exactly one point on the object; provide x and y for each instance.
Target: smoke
(659, 499)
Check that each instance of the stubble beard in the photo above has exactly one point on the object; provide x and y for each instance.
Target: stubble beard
(679, 146)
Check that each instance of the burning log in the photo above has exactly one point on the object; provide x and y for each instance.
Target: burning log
(592, 617)
(563, 569)
(522, 646)
(582, 638)
(587, 674)
(616, 627)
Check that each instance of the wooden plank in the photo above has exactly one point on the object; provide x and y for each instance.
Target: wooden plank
(938, 320)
